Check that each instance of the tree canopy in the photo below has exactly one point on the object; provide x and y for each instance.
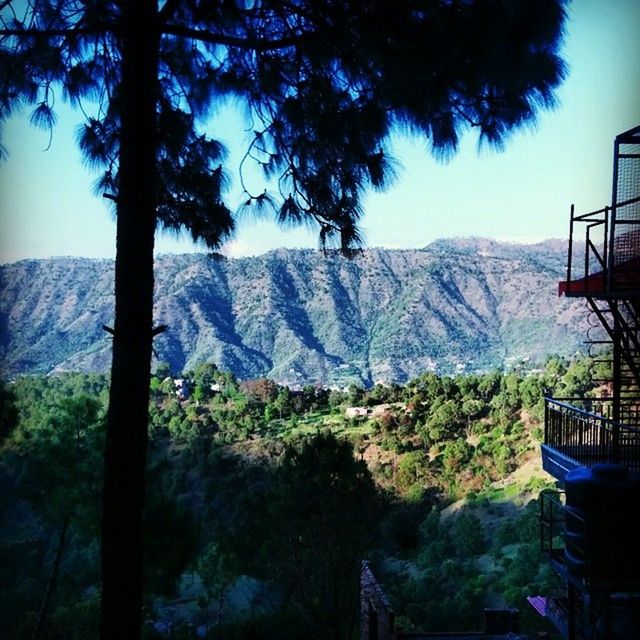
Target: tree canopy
(322, 86)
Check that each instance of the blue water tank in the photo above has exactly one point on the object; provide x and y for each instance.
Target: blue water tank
(601, 524)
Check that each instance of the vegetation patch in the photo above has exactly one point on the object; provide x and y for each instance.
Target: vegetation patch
(262, 500)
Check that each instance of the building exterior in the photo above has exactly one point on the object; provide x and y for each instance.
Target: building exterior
(592, 445)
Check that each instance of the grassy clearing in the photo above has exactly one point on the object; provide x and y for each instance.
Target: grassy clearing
(316, 421)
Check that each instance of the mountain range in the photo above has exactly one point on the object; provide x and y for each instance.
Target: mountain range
(304, 316)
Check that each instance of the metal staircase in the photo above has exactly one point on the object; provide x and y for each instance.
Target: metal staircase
(603, 268)
(621, 351)
(588, 533)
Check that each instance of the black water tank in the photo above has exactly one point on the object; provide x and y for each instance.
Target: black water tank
(601, 530)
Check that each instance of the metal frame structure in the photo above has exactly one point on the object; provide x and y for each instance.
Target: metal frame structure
(582, 432)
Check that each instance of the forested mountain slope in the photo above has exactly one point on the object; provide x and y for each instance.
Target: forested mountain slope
(302, 316)
(436, 482)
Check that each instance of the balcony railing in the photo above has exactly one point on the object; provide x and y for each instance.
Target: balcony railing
(551, 504)
(588, 438)
(594, 259)
(604, 245)
(610, 250)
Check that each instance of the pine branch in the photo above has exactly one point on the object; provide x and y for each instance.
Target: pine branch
(55, 33)
(168, 10)
(257, 44)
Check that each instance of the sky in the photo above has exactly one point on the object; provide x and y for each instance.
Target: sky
(520, 194)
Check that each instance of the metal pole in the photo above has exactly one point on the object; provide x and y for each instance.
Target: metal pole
(617, 383)
(570, 257)
(612, 227)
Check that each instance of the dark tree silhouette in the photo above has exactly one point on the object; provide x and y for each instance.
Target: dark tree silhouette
(316, 485)
(322, 83)
(8, 411)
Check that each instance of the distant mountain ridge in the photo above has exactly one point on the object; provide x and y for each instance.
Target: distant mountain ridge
(301, 316)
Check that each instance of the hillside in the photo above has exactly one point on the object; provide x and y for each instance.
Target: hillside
(436, 482)
(302, 316)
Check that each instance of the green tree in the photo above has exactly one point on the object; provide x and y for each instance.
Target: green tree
(163, 370)
(456, 454)
(64, 459)
(65, 449)
(283, 402)
(355, 395)
(335, 400)
(532, 393)
(554, 369)
(488, 385)
(471, 409)
(203, 377)
(310, 398)
(467, 535)
(312, 549)
(445, 420)
(507, 401)
(577, 379)
(217, 569)
(323, 85)
(411, 469)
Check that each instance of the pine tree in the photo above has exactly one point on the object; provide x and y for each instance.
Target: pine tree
(323, 84)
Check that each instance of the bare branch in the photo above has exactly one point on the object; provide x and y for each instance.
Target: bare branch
(161, 328)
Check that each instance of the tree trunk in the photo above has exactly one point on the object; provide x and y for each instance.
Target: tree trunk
(127, 423)
(52, 582)
(219, 614)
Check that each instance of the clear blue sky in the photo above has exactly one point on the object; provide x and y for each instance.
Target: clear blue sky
(522, 193)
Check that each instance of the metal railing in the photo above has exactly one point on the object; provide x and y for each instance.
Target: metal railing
(596, 235)
(611, 238)
(552, 520)
(628, 407)
(588, 438)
